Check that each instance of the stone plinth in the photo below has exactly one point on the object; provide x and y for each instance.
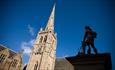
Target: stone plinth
(91, 62)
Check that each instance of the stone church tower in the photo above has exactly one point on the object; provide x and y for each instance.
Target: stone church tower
(44, 51)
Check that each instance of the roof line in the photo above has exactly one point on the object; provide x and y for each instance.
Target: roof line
(8, 48)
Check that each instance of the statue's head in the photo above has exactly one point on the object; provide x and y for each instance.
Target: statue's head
(88, 28)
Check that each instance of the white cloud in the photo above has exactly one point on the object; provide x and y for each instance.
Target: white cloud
(66, 56)
(63, 56)
(31, 29)
(27, 46)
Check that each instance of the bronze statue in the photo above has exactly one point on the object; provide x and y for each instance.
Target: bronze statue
(88, 40)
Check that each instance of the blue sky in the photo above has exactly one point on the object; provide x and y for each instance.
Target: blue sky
(20, 20)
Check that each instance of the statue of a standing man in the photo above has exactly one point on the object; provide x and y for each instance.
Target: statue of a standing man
(88, 40)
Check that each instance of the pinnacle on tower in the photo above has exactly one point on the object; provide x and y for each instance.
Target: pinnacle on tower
(50, 24)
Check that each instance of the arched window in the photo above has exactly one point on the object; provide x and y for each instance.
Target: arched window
(14, 63)
(2, 58)
(40, 49)
(36, 66)
(41, 38)
(45, 39)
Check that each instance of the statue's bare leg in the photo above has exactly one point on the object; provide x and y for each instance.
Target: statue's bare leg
(89, 50)
(94, 49)
(83, 47)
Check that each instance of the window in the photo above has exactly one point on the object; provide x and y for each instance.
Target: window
(35, 66)
(2, 58)
(39, 51)
(41, 38)
(14, 63)
(45, 39)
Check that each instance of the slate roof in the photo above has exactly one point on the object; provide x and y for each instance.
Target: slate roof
(1, 47)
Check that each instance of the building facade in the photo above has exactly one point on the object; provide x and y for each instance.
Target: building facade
(10, 60)
(44, 51)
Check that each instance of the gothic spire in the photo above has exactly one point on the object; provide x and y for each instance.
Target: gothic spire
(50, 24)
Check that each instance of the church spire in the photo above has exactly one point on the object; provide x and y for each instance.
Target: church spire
(43, 45)
(50, 24)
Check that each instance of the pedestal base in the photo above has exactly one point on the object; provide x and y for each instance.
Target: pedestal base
(91, 62)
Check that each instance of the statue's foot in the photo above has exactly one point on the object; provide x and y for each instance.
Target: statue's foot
(89, 52)
(82, 54)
